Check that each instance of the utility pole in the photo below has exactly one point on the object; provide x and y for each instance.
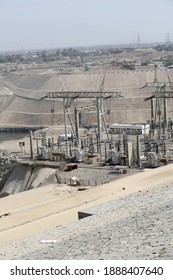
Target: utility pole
(100, 115)
(165, 117)
(99, 125)
(152, 117)
(138, 151)
(31, 146)
(76, 117)
(65, 126)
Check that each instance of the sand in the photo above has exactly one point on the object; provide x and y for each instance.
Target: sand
(42, 209)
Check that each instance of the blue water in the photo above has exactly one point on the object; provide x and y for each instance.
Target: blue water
(5, 136)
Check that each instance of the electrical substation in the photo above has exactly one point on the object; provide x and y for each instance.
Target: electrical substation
(88, 145)
(122, 147)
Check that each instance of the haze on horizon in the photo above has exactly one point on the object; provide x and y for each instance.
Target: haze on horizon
(38, 24)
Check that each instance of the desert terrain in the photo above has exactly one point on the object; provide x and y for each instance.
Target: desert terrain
(130, 218)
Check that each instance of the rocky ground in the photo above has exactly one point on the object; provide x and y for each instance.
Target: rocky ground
(137, 226)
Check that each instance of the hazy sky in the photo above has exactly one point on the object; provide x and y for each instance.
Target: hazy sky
(36, 24)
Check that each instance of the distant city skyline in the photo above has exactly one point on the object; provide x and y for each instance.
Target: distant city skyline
(47, 24)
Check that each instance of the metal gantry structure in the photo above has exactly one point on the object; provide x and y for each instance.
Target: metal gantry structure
(70, 97)
(163, 91)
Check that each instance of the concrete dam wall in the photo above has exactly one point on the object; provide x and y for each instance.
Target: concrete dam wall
(25, 177)
(20, 93)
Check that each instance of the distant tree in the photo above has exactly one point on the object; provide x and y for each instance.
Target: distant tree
(86, 67)
(44, 56)
(145, 63)
(2, 59)
(113, 62)
(168, 61)
(127, 65)
(163, 47)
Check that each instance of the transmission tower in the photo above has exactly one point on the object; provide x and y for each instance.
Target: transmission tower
(162, 91)
(138, 40)
(168, 41)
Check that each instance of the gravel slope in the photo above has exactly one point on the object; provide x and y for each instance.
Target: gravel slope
(137, 226)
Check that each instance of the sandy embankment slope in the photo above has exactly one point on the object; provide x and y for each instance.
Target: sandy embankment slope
(44, 208)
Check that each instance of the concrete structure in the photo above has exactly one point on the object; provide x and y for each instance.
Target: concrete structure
(20, 93)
